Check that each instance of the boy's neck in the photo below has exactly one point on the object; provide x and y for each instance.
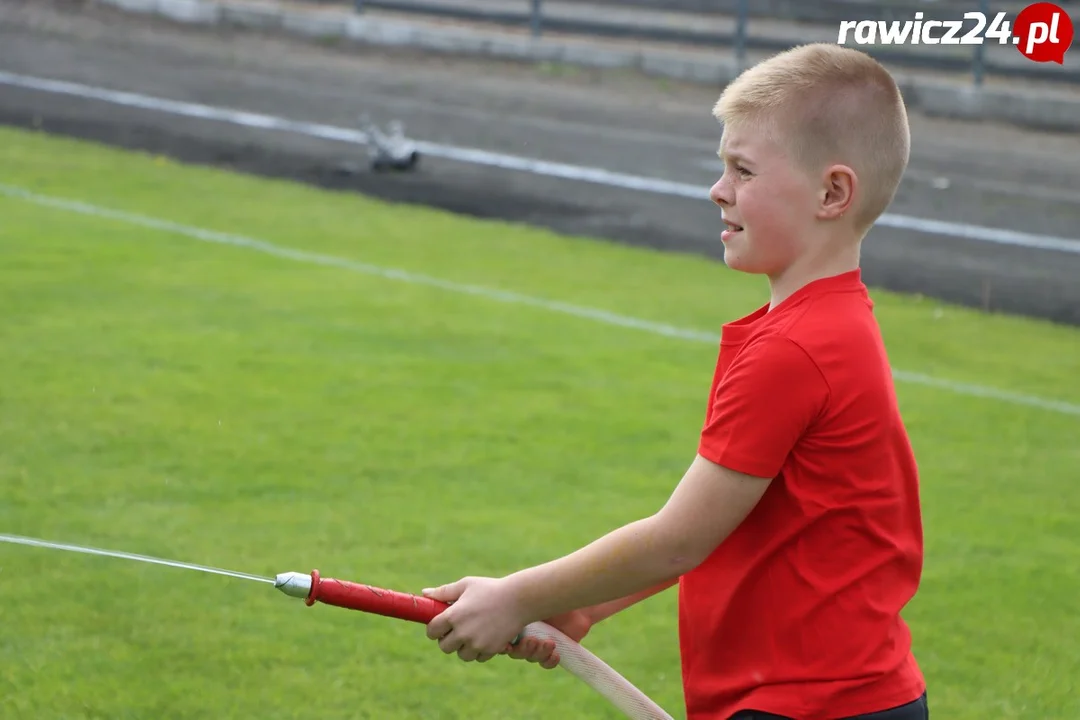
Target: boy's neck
(801, 274)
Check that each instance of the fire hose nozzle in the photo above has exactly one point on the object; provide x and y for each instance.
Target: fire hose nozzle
(355, 596)
(294, 584)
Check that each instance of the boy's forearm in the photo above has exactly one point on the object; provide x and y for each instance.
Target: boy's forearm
(708, 504)
(631, 560)
(603, 611)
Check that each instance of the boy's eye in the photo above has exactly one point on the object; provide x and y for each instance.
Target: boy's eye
(742, 171)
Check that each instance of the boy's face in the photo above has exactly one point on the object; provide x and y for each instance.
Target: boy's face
(767, 203)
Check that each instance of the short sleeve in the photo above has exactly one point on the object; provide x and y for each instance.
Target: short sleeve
(766, 401)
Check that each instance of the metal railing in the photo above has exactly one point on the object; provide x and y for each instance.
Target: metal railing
(743, 26)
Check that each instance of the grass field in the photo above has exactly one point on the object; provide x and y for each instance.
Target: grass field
(220, 405)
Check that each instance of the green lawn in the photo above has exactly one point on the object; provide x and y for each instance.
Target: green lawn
(218, 405)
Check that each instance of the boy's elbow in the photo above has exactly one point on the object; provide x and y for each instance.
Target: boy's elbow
(686, 549)
(684, 552)
(682, 564)
(686, 561)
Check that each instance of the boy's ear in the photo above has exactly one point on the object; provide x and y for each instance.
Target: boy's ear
(837, 194)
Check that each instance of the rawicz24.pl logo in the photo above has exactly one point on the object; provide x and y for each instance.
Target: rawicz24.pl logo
(1042, 32)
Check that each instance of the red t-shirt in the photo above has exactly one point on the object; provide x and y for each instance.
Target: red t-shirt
(797, 612)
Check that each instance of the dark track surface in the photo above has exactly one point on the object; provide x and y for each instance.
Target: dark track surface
(998, 177)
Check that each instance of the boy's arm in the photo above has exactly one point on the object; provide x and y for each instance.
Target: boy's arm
(707, 505)
(767, 399)
(486, 613)
(603, 611)
(577, 625)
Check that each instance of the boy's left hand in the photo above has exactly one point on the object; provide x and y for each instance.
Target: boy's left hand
(481, 622)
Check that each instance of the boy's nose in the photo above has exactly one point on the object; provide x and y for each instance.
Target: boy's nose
(720, 193)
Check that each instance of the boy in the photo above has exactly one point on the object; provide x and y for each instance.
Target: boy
(795, 535)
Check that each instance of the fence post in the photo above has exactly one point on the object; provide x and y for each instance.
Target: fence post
(740, 34)
(979, 65)
(537, 17)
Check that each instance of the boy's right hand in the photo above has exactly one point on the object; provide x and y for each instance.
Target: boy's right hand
(574, 624)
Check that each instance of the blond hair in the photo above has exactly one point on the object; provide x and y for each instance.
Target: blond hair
(828, 104)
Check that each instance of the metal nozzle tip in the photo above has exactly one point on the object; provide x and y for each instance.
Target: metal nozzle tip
(293, 584)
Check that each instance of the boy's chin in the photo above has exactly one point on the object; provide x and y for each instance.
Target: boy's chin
(736, 260)
(733, 263)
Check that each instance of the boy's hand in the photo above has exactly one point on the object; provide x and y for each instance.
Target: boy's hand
(480, 623)
(575, 625)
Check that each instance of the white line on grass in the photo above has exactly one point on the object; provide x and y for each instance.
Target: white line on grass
(332, 261)
(406, 276)
(475, 156)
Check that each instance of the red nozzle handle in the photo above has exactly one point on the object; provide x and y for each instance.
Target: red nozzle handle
(366, 598)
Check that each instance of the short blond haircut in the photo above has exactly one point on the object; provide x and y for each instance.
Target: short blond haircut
(828, 104)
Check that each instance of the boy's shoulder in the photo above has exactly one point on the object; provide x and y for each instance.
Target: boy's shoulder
(836, 336)
(830, 311)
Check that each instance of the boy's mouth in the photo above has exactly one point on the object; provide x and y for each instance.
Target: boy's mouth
(730, 229)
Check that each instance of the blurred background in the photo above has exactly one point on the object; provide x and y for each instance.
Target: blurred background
(412, 289)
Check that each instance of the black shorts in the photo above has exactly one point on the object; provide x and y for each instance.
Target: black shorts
(914, 710)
